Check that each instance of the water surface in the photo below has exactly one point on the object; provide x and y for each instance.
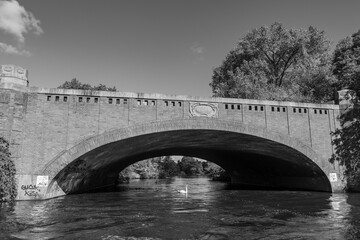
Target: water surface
(153, 209)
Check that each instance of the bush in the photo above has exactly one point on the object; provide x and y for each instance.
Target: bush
(7, 173)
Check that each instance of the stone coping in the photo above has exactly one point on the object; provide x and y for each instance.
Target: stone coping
(158, 96)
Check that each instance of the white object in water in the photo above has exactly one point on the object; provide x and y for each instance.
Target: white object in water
(183, 191)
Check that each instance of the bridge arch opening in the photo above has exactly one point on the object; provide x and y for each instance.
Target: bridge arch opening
(251, 158)
(166, 167)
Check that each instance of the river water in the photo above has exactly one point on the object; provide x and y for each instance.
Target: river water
(153, 209)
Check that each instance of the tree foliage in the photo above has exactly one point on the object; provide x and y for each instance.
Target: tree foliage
(346, 62)
(76, 84)
(189, 166)
(347, 149)
(215, 172)
(146, 169)
(276, 63)
(7, 173)
(168, 168)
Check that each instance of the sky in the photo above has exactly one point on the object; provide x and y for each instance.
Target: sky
(149, 46)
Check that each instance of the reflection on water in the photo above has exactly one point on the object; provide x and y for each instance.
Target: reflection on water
(153, 209)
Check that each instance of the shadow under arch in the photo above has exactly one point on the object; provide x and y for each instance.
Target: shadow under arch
(251, 155)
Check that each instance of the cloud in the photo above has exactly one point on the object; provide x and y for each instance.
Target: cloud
(9, 49)
(16, 21)
(196, 48)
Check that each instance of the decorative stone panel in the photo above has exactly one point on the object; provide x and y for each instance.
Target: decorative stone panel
(14, 71)
(198, 109)
(14, 74)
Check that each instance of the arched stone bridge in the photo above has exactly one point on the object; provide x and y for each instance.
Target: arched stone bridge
(71, 141)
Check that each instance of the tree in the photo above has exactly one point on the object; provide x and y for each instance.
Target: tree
(76, 84)
(168, 168)
(146, 169)
(158, 167)
(7, 173)
(102, 87)
(275, 63)
(347, 149)
(215, 172)
(346, 62)
(190, 166)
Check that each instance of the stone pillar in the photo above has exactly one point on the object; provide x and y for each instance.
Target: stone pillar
(13, 103)
(13, 77)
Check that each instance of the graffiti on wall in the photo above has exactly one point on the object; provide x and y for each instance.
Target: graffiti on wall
(30, 190)
(34, 190)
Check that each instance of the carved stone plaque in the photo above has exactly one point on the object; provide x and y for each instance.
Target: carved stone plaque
(14, 72)
(8, 69)
(198, 109)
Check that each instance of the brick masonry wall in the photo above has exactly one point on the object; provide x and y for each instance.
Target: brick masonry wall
(299, 125)
(5, 114)
(277, 119)
(170, 109)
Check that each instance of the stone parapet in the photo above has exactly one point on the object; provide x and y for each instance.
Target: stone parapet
(158, 96)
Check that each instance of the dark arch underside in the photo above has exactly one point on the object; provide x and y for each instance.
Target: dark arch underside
(249, 159)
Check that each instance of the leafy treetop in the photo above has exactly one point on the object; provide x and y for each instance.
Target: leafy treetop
(346, 62)
(76, 84)
(276, 63)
